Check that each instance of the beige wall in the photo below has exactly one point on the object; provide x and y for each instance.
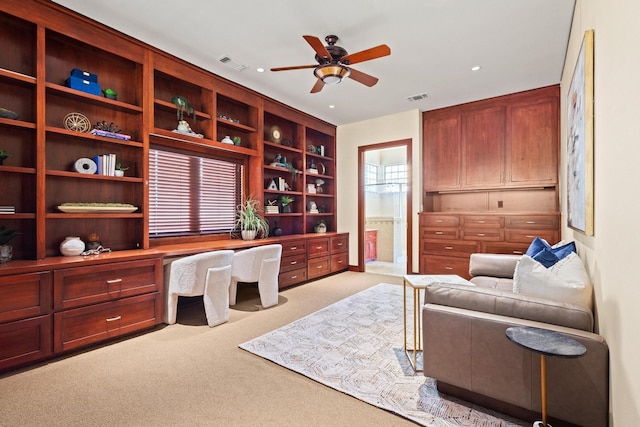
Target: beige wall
(612, 253)
(407, 125)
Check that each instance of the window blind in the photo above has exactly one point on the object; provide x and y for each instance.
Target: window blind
(191, 194)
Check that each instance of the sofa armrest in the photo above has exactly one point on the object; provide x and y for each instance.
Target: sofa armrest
(510, 304)
(469, 350)
(494, 265)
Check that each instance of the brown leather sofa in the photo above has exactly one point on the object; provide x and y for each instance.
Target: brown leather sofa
(467, 352)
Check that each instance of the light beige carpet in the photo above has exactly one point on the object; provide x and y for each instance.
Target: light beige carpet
(356, 346)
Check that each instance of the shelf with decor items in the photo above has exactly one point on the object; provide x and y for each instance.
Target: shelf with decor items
(71, 113)
(18, 135)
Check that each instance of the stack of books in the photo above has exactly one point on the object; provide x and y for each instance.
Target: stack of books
(7, 209)
(271, 209)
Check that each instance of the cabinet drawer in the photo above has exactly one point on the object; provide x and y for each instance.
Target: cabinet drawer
(533, 222)
(340, 244)
(526, 236)
(318, 267)
(456, 248)
(24, 295)
(318, 247)
(82, 326)
(292, 277)
(75, 287)
(25, 341)
(505, 248)
(487, 234)
(480, 221)
(439, 221)
(294, 247)
(439, 233)
(339, 262)
(293, 262)
(433, 264)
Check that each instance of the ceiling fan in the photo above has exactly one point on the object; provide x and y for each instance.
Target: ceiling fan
(334, 62)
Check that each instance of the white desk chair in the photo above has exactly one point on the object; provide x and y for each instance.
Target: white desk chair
(207, 274)
(260, 264)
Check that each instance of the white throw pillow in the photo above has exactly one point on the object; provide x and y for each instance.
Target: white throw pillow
(565, 281)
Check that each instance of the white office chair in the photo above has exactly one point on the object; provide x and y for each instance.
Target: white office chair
(207, 274)
(260, 264)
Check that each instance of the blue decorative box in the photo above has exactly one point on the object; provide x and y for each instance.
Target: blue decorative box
(83, 85)
(85, 75)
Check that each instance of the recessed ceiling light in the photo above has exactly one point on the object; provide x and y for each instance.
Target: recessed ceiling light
(260, 70)
(475, 68)
(332, 106)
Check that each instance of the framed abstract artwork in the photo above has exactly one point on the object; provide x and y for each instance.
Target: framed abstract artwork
(580, 190)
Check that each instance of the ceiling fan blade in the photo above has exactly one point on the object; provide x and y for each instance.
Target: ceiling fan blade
(296, 67)
(367, 55)
(363, 78)
(318, 86)
(317, 45)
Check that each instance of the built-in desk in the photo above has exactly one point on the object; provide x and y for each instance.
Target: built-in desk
(54, 305)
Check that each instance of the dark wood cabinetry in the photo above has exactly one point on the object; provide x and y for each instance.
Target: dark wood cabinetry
(327, 254)
(490, 179)
(45, 313)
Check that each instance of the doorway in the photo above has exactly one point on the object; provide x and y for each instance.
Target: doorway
(384, 206)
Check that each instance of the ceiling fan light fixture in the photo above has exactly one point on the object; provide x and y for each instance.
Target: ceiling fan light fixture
(331, 73)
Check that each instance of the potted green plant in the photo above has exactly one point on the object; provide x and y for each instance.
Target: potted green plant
(110, 94)
(285, 202)
(3, 155)
(182, 106)
(6, 250)
(120, 169)
(249, 221)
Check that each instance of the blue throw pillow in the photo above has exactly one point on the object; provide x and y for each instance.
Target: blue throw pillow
(547, 255)
(536, 246)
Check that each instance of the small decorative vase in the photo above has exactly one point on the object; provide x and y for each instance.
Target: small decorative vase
(119, 173)
(227, 140)
(321, 228)
(277, 231)
(248, 234)
(6, 253)
(71, 246)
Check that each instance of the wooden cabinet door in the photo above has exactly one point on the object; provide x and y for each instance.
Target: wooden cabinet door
(533, 151)
(441, 151)
(483, 134)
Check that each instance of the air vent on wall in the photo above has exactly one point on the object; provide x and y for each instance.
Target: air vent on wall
(226, 60)
(417, 97)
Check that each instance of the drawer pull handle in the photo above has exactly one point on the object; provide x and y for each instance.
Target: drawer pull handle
(294, 277)
(448, 268)
(482, 222)
(113, 319)
(448, 248)
(340, 244)
(531, 237)
(114, 281)
(318, 247)
(293, 262)
(531, 222)
(481, 234)
(439, 232)
(440, 220)
(517, 252)
(340, 262)
(293, 248)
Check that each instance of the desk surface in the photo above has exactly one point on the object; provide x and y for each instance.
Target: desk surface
(545, 341)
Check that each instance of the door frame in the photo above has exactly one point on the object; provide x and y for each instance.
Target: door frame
(407, 143)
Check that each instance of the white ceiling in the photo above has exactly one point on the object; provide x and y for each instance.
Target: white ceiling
(520, 45)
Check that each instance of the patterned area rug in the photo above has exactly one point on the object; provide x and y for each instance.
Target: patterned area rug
(356, 346)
